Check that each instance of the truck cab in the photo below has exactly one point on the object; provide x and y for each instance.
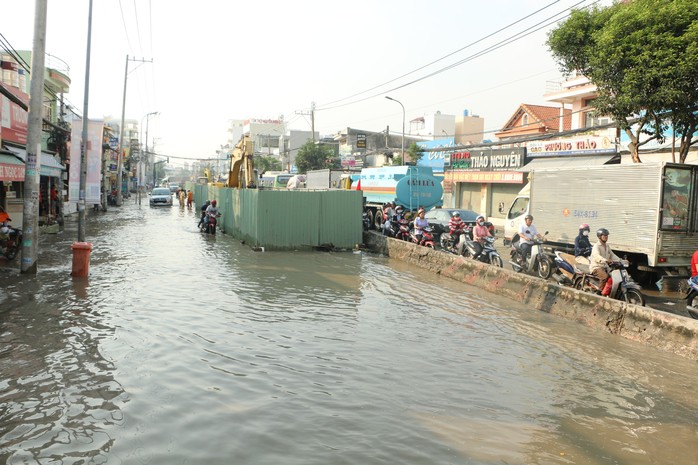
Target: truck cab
(517, 211)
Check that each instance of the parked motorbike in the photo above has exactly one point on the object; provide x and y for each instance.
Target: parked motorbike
(210, 225)
(693, 296)
(453, 243)
(427, 239)
(488, 255)
(622, 285)
(570, 269)
(537, 260)
(10, 242)
(403, 232)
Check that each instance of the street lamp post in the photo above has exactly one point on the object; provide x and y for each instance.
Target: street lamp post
(402, 151)
(147, 121)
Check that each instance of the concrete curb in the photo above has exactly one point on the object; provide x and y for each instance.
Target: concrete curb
(665, 331)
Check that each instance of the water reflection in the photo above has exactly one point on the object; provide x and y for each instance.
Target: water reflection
(187, 348)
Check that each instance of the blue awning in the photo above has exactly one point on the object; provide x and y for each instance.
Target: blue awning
(49, 164)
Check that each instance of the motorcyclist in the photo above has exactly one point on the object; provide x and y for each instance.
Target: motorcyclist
(388, 216)
(601, 256)
(480, 232)
(527, 232)
(203, 212)
(582, 246)
(456, 226)
(419, 224)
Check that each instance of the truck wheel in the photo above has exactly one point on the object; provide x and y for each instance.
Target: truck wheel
(378, 219)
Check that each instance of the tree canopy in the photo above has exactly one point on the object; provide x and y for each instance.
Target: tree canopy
(267, 163)
(312, 156)
(642, 56)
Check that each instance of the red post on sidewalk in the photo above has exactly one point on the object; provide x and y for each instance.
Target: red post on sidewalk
(81, 259)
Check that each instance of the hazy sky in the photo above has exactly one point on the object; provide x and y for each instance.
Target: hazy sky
(217, 60)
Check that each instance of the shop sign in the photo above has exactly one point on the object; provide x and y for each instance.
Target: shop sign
(485, 177)
(361, 141)
(488, 159)
(11, 172)
(586, 145)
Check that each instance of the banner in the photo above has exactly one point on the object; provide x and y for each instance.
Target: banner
(94, 162)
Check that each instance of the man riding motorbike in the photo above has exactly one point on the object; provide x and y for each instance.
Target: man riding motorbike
(601, 256)
(203, 213)
(527, 232)
(582, 246)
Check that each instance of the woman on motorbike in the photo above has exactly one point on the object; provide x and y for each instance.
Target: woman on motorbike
(456, 226)
(419, 224)
(480, 232)
(582, 246)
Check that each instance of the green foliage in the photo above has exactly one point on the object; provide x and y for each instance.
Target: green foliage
(267, 163)
(414, 153)
(312, 156)
(643, 57)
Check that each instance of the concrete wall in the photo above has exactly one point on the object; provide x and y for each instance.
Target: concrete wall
(665, 331)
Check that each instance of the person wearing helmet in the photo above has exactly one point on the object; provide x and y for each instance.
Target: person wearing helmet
(582, 246)
(601, 256)
(527, 232)
(210, 210)
(456, 226)
(480, 232)
(203, 213)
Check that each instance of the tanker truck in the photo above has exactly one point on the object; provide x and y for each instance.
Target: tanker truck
(649, 209)
(409, 186)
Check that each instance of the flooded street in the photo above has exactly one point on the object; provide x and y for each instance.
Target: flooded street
(182, 348)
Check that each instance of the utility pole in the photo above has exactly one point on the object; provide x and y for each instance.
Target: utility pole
(85, 140)
(311, 113)
(30, 221)
(120, 155)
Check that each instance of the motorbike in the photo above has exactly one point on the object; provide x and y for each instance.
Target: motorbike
(403, 232)
(390, 228)
(537, 260)
(210, 225)
(622, 285)
(427, 239)
(488, 255)
(570, 269)
(449, 243)
(693, 295)
(366, 220)
(10, 242)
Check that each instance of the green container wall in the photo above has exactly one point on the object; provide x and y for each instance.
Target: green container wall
(288, 219)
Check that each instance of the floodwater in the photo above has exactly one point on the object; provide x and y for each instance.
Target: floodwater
(183, 348)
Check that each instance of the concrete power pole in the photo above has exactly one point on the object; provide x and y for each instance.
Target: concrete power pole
(120, 155)
(84, 146)
(30, 222)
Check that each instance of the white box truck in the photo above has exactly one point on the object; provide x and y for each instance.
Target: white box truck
(649, 209)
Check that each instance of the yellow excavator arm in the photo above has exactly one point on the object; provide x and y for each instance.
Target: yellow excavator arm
(241, 173)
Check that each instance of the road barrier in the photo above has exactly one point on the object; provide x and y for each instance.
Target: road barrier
(665, 331)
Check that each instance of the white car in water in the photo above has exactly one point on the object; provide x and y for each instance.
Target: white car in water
(161, 196)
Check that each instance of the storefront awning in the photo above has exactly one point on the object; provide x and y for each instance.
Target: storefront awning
(49, 165)
(11, 167)
(570, 162)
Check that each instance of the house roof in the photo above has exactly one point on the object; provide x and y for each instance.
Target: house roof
(543, 116)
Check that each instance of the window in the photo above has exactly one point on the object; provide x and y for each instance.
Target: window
(591, 120)
(524, 119)
(675, 195)
(518, 208)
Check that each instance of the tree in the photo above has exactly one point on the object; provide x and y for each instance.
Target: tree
(312, 156)
(414, 153)
(643, 58)
(267, 164)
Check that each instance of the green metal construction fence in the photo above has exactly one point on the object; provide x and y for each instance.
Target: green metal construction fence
(280, 219)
